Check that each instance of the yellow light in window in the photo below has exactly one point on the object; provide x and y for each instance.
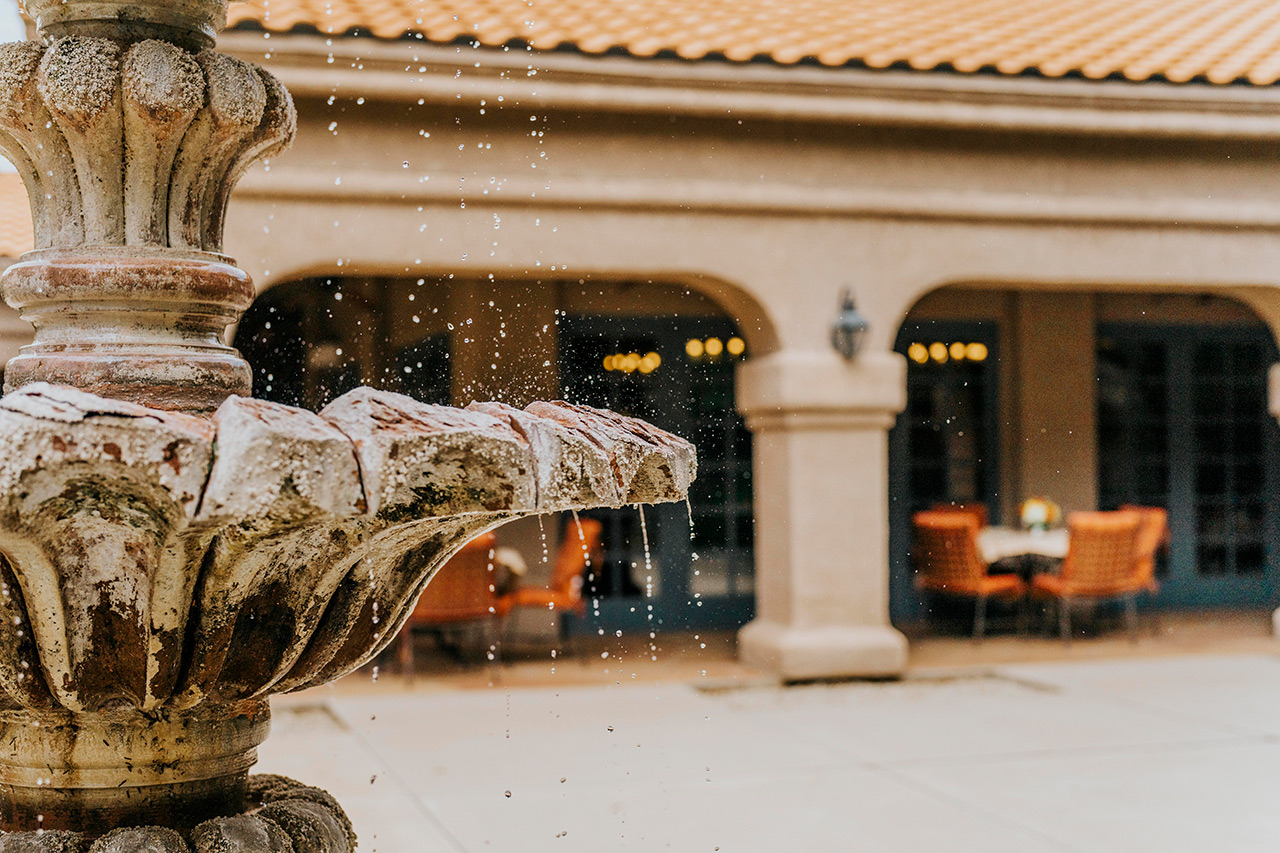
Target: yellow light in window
(714, 347)
(918, 352)
(736, 346)
(957, 351)
(976, 352)
(693, 348)
(938, 352)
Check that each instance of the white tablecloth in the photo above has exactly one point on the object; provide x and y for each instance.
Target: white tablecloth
(996, 543)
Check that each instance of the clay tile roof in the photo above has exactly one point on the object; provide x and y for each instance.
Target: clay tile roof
(1219, 41)
(15, 217)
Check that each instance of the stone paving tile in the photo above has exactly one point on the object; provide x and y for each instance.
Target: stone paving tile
(1237, 693)
(961, 718)
(1192, 799)
(789, 810)
(309, 744)
(1162, 754)
(525, 739)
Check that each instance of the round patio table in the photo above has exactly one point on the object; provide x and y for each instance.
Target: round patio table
(1000, 543)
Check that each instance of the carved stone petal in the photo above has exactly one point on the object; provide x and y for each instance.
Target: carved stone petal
(312, 827)
(275, 460)
(419, 460)
(571, 471)
(244, 833)
(56, 841)
(652, 465)
(170, 449)
(141, 839)
(94, 498)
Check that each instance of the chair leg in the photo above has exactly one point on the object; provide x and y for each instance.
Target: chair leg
(1064, 619)
(1131, 616)
(980, 618)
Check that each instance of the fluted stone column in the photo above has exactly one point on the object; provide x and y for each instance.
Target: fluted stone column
(822, 513)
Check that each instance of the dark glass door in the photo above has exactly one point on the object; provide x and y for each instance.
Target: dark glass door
(945, 445)
(1183, 424)
(678, 374)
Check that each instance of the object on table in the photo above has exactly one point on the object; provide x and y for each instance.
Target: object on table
(509, 570)
(1101, 563)
(1039, 513)
(947, 561)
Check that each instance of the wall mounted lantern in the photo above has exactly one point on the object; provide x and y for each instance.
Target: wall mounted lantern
(849, 328)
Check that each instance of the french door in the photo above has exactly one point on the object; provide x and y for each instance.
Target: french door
(678, 374)
(1183, 424)
(945, 445)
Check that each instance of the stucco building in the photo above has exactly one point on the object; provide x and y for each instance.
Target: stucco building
(527, 200)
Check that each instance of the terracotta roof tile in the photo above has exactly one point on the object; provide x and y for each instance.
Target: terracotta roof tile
(1221, 41)
(15, 217)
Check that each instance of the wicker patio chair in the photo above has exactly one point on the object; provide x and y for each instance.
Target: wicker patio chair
(1101, 563)
(460, 593)
(977, 509)
(582, 542)
(947, 562)
(1153, 535)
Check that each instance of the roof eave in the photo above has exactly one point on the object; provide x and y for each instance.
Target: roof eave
(413, 71)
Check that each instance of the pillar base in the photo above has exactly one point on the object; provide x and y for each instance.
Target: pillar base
(825, 651)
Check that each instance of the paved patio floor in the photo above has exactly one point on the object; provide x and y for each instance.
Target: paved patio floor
(1155, 753)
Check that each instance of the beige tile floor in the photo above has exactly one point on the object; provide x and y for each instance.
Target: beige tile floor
(1016, 744)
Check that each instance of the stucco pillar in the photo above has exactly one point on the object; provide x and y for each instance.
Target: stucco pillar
(822, 513)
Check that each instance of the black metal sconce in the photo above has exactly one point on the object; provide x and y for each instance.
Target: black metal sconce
(849, 328)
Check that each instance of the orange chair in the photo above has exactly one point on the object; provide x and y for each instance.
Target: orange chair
(460, 592)
(1102, 562)
(977, 508)
(581, 542)
(947, 562)
(1153, 535)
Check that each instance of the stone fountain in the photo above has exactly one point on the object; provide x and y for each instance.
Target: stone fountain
(173, 552)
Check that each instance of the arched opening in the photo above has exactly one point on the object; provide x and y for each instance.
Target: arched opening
(658, 351)
(1093, 399)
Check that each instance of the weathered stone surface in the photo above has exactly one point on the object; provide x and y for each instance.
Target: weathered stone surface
(420, 460)
(570, 471)
(141, 839)
(139, 144)
(144, 567)
(240, 834)
(279, 462)
(651, 465)
(55, 841)
(95, 501)
(191, 22)
(132, 143)
(313, 827)
(271, 788)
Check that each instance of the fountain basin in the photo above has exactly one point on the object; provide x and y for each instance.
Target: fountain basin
(164, 573)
